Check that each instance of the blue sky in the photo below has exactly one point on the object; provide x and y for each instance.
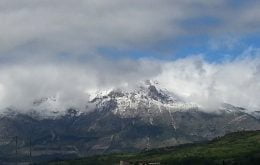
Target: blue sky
(213, 50)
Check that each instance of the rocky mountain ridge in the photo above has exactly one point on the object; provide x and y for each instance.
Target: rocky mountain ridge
(116, 121)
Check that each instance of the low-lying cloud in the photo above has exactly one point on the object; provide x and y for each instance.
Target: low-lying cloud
(22, 84)
(192, 78)
(58, 48)
(211, 84)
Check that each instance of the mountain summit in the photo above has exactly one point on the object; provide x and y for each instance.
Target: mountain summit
(128, 119)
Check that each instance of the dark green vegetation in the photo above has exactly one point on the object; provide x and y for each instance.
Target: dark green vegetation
(234, 148)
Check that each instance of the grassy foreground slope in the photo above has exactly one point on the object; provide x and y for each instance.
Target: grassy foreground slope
(234, 148)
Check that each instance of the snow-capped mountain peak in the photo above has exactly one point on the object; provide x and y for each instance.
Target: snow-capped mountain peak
(147, 95)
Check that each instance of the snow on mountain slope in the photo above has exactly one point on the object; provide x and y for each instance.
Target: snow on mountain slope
(124, 119)
(149, 99)
(142, 99)
(146, 97)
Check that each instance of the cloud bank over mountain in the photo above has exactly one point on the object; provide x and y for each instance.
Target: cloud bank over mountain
(193, 79)
(61, 48)
(210, 84)
(22, 84)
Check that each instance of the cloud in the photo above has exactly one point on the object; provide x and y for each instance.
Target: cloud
(53, 47)
(22, 84)
(193, 79)
(210, 84)
(224, 43)
(54, 27)
(79, 26)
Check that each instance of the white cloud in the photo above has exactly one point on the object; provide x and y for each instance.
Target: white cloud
(22, 84)
(192, 78)
(207, 84)
(224, 43)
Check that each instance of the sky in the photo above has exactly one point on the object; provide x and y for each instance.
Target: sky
(206, 51)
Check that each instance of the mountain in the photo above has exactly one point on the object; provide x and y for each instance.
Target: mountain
(145, 116)
(234, 148)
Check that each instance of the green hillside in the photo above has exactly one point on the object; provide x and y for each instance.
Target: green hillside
(234, 148)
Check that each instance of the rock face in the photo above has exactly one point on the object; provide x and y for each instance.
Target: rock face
(121, 120)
